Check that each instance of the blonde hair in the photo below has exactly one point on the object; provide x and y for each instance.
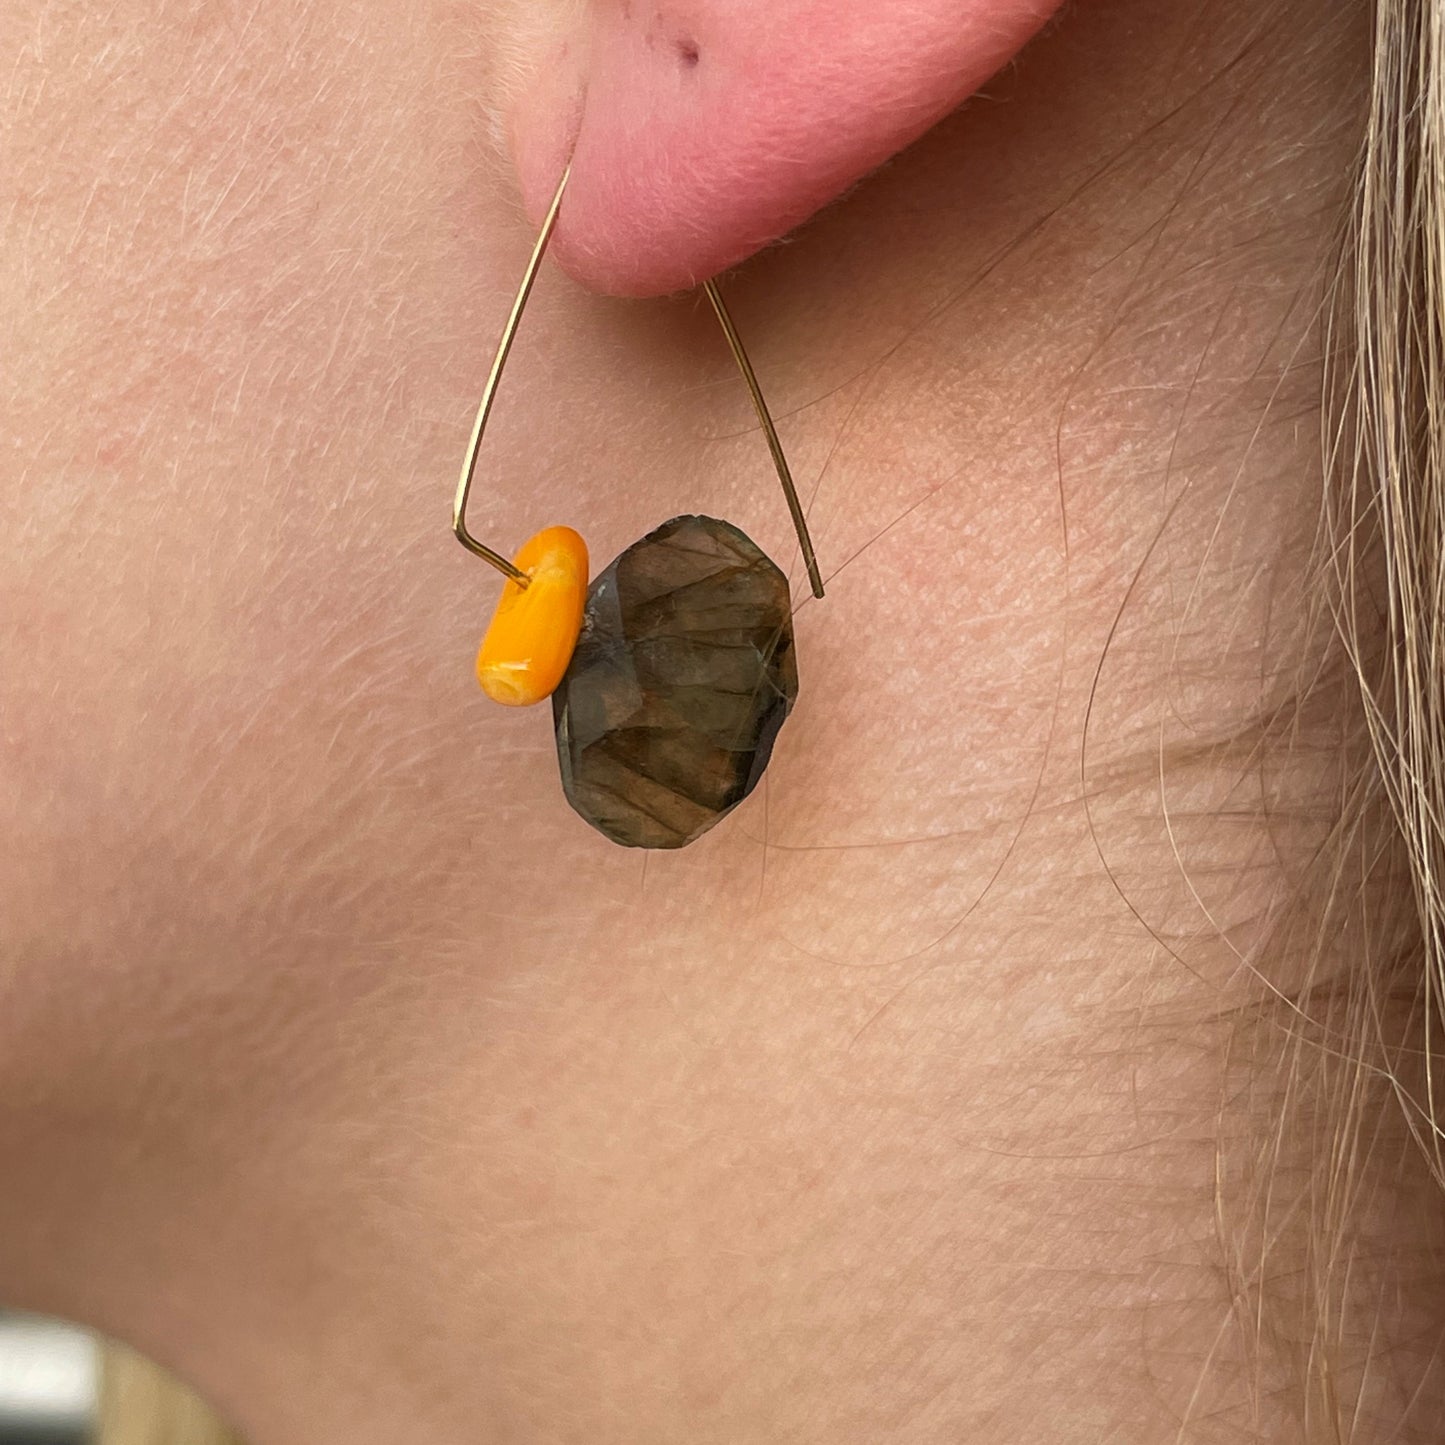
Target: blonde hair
(1386, 446)
(1331, 1205)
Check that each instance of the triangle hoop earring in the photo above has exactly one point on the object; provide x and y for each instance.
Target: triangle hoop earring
(671, 674)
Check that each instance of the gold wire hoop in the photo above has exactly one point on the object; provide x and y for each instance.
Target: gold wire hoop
(484, 411)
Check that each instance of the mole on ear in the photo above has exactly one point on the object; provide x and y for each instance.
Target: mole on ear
(701, 130)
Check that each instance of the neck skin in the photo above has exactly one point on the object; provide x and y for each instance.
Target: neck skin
(343, 1069)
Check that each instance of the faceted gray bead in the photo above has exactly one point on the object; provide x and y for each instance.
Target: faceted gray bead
(682, 677)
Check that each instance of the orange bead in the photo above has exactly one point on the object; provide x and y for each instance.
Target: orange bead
(535, 628)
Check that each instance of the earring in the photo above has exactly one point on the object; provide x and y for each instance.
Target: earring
(672, 674)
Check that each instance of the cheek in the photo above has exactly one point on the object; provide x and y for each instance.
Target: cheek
(215, 715)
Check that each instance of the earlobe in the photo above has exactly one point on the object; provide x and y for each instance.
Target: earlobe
(701, 130)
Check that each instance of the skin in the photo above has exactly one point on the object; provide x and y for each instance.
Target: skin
(343, 1069)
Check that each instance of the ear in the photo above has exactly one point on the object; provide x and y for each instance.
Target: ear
(700, 130)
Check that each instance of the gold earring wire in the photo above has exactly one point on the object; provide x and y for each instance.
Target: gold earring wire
(800, 523)
(489, 392)
(469, 465)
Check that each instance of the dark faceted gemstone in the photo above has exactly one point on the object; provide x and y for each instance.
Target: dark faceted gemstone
(682, 677)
